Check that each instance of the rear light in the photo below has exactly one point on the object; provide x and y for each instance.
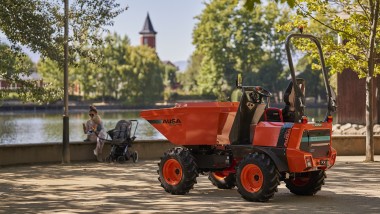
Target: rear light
(308, 161)
(330, 119)
(304, 120)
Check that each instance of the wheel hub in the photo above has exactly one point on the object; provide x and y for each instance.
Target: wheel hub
(172, 172)
(252, 178)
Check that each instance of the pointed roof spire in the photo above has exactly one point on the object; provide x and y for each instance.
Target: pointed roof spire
(148, 27)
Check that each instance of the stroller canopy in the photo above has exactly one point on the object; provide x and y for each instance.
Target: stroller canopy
(121, 132)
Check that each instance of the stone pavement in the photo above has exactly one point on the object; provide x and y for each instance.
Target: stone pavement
(87, 187)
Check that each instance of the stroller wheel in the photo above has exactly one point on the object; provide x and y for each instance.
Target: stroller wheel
(127, 156)
(135, 156)
(121, 159)
(108, 159)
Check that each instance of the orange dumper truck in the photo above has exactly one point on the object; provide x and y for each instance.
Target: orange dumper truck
(248, 144)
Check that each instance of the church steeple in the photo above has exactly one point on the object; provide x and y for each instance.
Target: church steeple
(148, 35)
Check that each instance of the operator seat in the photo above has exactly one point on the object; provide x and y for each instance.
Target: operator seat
(288, 112)
(248, 114)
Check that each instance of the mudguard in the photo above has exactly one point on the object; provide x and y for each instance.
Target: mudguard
(278, 155)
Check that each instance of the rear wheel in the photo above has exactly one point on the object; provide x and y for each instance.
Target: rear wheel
(121, 159)
(135, 156)
(222, 181)
(177, 171)
(108, 159)
(307, 183)
(257, 178)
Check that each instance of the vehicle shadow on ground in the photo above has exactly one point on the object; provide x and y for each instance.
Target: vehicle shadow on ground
(134, 188)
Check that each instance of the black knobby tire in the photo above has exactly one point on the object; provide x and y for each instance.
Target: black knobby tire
(307, 183)
(222, 182)
(257, 178)
(177, 171)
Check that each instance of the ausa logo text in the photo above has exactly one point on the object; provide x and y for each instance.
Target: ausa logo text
(172, 122)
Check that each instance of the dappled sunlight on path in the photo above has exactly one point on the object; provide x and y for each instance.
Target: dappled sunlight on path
(351, 187)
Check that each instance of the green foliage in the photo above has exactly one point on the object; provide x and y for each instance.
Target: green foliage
(233, 40)
(170, 82)
(51, 72)
(249, 4)
(348, 20)
(110, 74)
(188, 79)
(312, 77)
(16, 68)
(134, 75)
(145, 76)
(38, 24)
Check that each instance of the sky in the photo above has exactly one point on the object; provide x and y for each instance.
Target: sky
(173, 20)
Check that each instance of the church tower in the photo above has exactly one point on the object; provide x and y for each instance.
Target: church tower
(148, 35)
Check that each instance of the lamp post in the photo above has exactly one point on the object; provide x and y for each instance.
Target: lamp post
(66, 145)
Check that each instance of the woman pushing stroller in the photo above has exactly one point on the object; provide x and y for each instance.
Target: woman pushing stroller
(95, 126)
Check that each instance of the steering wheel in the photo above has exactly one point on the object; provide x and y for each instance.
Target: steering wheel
(262, 91)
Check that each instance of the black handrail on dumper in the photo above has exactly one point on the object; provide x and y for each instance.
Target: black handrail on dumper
(299, 96)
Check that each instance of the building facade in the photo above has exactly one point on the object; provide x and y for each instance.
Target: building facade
(351, 98)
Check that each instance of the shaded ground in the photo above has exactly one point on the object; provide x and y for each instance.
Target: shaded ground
(351, 187)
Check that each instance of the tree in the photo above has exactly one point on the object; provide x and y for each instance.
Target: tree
(15, 68)
(38, 24)
(235, 40)
(189, 78)
(115, 53)
(170, 81)
(132, 74)
(143, 76)
(313, 77)
(357, 23)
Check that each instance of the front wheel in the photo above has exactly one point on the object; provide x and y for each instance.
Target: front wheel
(307, 183)
(222, 181)
(177, 171)
(257, 178)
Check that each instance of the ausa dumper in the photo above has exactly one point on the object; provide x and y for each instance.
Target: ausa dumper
(248, 144)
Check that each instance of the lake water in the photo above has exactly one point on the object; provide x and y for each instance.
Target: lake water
(44, 127)
(40, 127)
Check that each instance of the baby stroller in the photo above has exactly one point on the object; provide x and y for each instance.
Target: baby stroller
(121, 141)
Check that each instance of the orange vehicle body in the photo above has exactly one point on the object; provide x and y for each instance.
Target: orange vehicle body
(210, 123)
(248, 144)
(206, 123)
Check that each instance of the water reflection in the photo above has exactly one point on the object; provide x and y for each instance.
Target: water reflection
(28, 128)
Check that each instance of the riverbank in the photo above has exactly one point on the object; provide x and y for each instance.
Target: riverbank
(13, 154)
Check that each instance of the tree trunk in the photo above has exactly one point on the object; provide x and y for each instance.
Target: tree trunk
(369, 151)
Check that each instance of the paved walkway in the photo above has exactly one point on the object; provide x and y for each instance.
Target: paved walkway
(351, 187)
